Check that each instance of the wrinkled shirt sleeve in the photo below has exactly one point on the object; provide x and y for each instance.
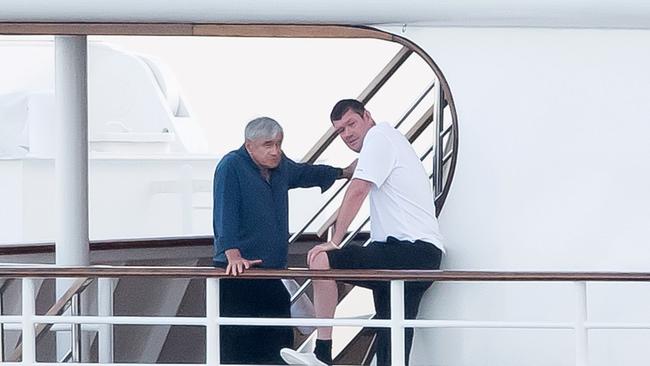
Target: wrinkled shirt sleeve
(377, 159)
(226, 207)
(303, 175)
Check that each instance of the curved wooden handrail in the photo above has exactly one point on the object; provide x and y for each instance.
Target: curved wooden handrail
(339, 274)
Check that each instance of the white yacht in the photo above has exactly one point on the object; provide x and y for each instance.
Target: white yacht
(531, 117)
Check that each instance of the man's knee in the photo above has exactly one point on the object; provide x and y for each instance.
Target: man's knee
(320, 261)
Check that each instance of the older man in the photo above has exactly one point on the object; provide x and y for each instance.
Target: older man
(403, 226)
(251, 228)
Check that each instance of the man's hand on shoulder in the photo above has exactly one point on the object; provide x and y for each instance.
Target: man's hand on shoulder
(348, 171)
(320, 248)
(236, 264)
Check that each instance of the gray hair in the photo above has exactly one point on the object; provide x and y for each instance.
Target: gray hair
(262, 127)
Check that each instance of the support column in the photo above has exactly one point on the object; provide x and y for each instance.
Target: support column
(71, 164)
(71, 151)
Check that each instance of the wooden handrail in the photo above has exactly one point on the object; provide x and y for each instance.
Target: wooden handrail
(339, 274)
(113, 244)
(194, 29)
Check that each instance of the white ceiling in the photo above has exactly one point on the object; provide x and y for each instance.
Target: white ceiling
(490, 13)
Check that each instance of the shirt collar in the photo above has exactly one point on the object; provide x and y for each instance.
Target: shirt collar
(244, 153)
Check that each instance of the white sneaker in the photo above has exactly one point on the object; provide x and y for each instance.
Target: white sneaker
(293, 357)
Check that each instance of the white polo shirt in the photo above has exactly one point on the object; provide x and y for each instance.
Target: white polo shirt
(401, 197)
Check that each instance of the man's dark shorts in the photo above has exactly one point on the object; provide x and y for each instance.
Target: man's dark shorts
(391, 254)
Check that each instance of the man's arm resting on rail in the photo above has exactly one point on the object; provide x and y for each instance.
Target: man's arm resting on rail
(352, 201)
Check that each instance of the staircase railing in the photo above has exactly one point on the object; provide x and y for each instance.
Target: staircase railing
(69, 300)
(375, 85)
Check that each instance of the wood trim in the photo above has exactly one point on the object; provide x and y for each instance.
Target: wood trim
(288, 31)
(385, 74)
(42, 248)
(122, 29)
(189, 29)
(448, 97)
(339, 274)
(148, 243)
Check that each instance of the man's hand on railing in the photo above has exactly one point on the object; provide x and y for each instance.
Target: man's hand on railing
(320, 248)
(237, 264)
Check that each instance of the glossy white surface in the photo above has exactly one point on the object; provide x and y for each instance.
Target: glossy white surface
(551, 175)
(530, 13)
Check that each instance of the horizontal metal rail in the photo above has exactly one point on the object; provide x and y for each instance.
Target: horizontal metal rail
(338, 274)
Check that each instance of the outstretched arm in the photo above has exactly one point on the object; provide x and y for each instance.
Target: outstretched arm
(307, 175)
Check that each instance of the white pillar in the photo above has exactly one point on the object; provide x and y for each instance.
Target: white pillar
(71, 164)
(71, 151)
(29, 333)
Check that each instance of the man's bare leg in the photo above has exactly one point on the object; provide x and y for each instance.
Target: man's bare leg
(325, 301)
(325, 295)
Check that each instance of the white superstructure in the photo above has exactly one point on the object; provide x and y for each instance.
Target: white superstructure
(552, 103)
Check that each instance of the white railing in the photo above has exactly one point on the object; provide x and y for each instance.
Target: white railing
(211, 321)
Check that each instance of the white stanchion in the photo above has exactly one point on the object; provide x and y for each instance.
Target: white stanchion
(105, 288)
(29, 334)
(212, 346)
(398, 351)
(580, 329)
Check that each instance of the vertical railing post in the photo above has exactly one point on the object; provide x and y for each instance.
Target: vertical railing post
(212, 346)
(28, 312)
(2, 325)
(397, 323)
(437, 139)
(582, 358)
(105, 288)
(75, 329)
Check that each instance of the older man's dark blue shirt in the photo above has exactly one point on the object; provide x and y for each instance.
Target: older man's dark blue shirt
(251, 213)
